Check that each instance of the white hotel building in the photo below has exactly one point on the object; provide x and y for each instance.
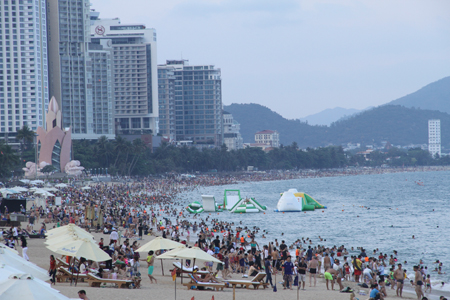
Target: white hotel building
(434, 137)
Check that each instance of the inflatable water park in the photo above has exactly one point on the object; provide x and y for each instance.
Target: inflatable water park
(232, 201)
(293, 200)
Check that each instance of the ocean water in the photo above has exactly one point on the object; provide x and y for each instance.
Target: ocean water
(381, 211)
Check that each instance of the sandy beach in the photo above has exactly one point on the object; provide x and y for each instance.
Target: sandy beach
(165, 288)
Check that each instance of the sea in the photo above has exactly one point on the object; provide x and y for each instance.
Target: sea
(379, 212)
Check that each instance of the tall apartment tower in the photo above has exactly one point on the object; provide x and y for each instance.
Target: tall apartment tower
(134, 73)
(198, 103)
(23, 65)
(166, 101)
(434, 137)
(70, 65)
(102, 86)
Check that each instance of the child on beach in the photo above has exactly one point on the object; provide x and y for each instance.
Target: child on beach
(428, 283)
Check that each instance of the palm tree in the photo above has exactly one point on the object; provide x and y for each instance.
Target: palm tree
(8, 159)
(119, 144)
(26, 136)
(138, 149)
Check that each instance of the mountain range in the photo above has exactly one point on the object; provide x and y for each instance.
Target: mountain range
(400, 122)
(329, 115)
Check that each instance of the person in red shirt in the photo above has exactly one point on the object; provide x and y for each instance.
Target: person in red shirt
(52, 269)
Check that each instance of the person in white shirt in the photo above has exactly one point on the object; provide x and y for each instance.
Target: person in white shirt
(114, 236)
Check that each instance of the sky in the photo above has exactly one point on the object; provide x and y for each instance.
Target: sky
(299, 57)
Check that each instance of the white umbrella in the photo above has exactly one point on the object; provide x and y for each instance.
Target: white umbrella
(189, 253)
(50, 189)
(70, 229)
(24, 181)
(159, 243)
(12, 259)
(61, 185)
(80, 247)
(6, 271)
(25, 286)
(86, 188)
(44, 193)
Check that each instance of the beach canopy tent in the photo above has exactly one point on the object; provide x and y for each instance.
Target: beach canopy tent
(61, 185)
(86, 188)
(12, 259)
(25, 286)
(13, 205)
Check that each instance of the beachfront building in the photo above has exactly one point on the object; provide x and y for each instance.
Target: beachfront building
(23, 65)
(134, 73)
(268, 137)
(434, 137)
(198, 103)
(70, 67)
(166, 102)
(231, 136)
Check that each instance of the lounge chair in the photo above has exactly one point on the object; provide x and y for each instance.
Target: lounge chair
(95, 281)
(195, 282)
(183, 269)
(64, 274)
(61, 263)
(256, 282)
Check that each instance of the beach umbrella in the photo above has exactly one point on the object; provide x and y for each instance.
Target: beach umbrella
(25, 286)
(50, 189)
(80, 247)
(10, 258)
(159, 243)
(61, 185)
(6, 271)
(86, 188)
(26, 181)
(56, 239)
(189, 253)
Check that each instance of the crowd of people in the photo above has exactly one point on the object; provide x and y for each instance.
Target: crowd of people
(125, 212)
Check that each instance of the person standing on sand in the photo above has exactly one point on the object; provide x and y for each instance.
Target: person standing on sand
(302, 266)
(399, 277)
(24, 247)
(288, 271)
(326, 262)
(418, 282)
(150, 261)
(52, 269)
(268, 269)
(313, 265)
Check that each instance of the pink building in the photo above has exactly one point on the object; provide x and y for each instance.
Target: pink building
(55, 143)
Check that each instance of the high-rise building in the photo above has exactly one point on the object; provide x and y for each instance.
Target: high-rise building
(24, 93)
(166, 101)
(198, 103)
(231, 132)
(434, 137)
(70, 65)
(134, 73)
